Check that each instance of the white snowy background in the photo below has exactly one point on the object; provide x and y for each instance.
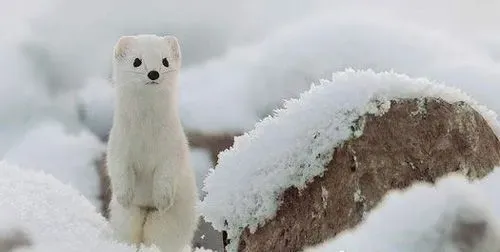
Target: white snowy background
(242, 59)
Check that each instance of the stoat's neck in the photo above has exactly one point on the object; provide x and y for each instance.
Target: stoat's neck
(143, 107)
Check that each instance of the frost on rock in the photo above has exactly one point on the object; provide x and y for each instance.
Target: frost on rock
(453, 215)
(294, 145)
(54, 215)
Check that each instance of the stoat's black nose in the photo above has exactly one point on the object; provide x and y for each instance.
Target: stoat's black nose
(153, 75)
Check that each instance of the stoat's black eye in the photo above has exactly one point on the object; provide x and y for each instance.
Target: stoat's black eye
(165, 62)
(137, 62)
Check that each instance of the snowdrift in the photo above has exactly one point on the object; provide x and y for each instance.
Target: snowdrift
(68, 156)
(294, 145)
(54, 215)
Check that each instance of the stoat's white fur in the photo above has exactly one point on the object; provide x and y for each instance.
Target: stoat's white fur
(153, 185)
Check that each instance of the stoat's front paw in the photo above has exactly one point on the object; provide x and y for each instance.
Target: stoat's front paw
(163, 197)
(125, 196)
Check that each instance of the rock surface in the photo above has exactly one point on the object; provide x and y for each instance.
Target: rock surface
(417, 139)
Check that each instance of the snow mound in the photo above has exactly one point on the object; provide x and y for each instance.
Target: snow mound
(57, 217)
(293, 146)
(444, 217)
(67, 156)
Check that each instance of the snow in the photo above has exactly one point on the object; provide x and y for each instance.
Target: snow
(293, 146)
(55, 216)
(247, 83)
(204, 31)
(239, 65)
(96, 99)
(69, 157)
(228, 85)
(23, 101)
(438, 212)
(201, 162)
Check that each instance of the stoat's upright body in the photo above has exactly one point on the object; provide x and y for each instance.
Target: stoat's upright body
(153, 185)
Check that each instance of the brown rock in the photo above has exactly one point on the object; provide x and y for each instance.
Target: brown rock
(214, 143)
(417, 139)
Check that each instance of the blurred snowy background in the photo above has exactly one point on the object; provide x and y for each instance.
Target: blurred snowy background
(241, 59)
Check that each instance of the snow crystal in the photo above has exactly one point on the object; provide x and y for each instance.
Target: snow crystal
(68, 157)
(437, 212)
(293, 146)
(57, 217)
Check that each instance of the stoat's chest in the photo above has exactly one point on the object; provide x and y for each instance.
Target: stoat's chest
(146, 136)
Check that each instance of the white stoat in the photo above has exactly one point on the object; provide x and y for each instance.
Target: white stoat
(153, 184)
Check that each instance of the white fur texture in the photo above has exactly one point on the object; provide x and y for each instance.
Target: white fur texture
(148, 154)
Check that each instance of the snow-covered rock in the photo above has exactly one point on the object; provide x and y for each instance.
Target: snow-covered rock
(415, 140)
(295, 145)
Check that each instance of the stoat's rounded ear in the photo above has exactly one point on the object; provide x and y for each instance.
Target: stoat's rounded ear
(122, 46)
(173, 45)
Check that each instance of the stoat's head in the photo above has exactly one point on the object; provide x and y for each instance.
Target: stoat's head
(146, 61)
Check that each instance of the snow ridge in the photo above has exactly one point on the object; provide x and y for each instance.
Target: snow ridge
(293, 146)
